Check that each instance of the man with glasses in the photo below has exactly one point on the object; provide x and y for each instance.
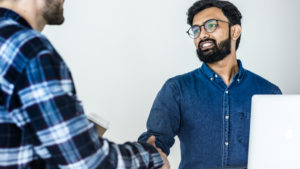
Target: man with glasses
(209, 108)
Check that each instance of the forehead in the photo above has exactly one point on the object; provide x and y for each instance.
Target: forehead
(209, 13)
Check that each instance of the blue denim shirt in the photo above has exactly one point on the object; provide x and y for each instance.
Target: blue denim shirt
(210, 118)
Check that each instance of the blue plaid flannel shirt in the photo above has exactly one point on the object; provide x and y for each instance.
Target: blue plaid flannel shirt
(42, 124)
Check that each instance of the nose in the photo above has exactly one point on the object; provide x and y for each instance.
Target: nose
(203, 34)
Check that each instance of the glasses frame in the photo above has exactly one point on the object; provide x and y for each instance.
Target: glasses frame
(191, 36)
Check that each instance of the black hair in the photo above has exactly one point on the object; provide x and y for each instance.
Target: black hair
(229, 10)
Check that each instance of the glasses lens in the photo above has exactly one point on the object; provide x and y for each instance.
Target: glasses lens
(194, 31)
(211, 25)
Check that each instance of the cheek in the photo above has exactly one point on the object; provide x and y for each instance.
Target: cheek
(223, 35)
(196, 42)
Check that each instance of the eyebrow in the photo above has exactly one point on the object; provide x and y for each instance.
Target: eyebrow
(214, 19)
(205, 21)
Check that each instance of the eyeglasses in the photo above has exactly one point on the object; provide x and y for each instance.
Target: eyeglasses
(209, 26)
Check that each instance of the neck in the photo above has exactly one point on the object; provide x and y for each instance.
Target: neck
(28, 9)
(226, 67)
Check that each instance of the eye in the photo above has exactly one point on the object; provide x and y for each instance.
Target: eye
(195, 30)
(211, 25)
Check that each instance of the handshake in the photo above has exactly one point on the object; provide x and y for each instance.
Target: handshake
(102, 125)
(151, 140)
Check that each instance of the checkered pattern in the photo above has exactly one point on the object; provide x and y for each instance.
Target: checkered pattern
(42, 123)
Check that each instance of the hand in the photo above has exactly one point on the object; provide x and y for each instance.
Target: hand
(151, 140)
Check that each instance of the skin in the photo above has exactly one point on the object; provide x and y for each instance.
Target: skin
(151, 140)
(228, 66)
(31, 10)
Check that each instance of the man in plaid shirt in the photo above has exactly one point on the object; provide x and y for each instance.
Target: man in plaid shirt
(42, 124)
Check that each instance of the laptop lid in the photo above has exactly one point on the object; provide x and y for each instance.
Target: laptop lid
(274, 132)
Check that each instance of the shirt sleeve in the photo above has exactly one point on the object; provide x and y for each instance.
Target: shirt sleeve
(164, 119)
(277, 90)
(45, 106)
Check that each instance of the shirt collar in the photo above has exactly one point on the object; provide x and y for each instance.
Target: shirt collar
(212, 75)
(9, 14)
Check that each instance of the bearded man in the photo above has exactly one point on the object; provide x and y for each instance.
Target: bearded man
(42, 124)
(209, 108)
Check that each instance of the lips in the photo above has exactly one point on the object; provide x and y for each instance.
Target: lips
(206, 45)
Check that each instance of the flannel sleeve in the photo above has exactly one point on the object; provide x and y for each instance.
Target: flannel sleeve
(51, 114)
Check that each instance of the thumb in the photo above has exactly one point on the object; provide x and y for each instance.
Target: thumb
(151, 140)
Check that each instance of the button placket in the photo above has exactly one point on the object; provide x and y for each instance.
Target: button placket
(226, 127)
(226, 143)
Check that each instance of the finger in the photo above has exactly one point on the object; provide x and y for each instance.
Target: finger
(151, 140)
(166, 164)
(165, 159)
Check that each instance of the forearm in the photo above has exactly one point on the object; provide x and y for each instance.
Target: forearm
(51, 114)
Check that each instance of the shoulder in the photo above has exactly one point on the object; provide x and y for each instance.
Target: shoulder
(18, 38)
(182, 81)
(263, 83)
(184, 78)
(20, 44)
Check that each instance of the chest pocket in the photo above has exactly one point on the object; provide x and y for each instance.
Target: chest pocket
(242, 125)
(243, 133)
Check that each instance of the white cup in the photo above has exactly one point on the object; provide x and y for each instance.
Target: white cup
(99, 122)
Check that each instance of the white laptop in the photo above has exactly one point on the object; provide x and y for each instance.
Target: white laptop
(274, 132)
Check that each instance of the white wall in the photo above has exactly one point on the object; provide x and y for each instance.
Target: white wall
(121, 52)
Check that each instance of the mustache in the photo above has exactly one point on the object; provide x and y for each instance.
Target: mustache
(205, 40)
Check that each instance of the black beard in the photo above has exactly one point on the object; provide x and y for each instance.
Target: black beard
(53, 14)
(217, 53)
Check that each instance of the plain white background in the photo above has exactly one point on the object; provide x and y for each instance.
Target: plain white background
(121, 52)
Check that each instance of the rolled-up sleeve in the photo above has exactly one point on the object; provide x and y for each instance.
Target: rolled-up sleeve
(164, 119)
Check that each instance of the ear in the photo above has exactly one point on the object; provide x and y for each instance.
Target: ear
(236, 31)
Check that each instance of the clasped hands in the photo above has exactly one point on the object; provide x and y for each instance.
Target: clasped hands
(151, 140)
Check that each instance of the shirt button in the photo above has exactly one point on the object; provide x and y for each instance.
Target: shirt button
(216, 76)
(238, 80)
(226, 117)
(226, 143)
(211, 79)
(226, 92)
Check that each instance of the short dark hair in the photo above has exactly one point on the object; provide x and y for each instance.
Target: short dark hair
(229, 10)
